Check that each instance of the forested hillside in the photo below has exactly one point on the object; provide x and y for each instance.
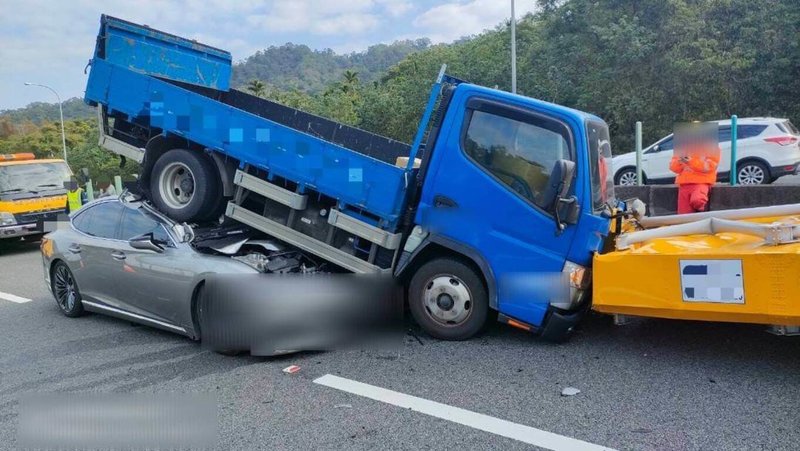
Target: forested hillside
(39, 112)
(656, 61)
(293, 66)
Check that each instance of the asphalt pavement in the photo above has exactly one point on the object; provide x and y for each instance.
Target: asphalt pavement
(652, 384)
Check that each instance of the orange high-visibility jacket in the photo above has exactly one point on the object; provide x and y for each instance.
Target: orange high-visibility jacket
(701, 168)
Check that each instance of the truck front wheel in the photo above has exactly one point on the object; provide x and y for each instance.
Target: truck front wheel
(185, 186)
(448, 299)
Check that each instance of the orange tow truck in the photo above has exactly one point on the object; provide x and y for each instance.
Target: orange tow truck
(31, 192)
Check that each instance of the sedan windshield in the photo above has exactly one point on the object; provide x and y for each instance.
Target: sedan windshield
(33, 177)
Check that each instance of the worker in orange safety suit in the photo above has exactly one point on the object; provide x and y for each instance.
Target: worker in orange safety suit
(696, 169)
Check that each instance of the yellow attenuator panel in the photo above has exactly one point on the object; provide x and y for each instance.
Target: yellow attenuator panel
(724, 277)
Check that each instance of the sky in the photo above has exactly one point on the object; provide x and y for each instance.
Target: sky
(50, 42)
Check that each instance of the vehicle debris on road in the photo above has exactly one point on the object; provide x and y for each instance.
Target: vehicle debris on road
(569, 391)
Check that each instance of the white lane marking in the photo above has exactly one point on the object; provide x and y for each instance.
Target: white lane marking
(14, 298)
(527, 434)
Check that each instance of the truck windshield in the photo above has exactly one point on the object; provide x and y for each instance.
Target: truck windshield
(600, 162)
(33, 177)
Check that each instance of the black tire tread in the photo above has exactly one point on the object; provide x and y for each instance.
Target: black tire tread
(77, 309)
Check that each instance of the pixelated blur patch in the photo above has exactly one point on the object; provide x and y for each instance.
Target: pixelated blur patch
(262, 135)
(355, 175)
(717, 281)
(61, 223)
(537, 287)
(156, 108)
(117, 421)
(270, 314)
(182, 122)
(236, 135)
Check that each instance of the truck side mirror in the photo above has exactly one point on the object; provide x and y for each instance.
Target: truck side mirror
(558, 184)
(556, 197)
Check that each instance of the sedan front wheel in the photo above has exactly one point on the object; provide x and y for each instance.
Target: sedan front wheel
(65, 290)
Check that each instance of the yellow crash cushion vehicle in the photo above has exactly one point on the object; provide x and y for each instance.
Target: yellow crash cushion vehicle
(735, 266)
(31, 192)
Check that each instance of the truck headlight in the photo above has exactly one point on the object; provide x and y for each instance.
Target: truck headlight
(579, 279)
(7, 218)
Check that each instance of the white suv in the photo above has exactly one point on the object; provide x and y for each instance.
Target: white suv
(767, 148)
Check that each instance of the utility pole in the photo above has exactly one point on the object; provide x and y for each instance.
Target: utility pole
(513, 49)
(60, 113)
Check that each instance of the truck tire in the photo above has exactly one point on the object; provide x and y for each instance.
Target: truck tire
(185, 186)
(448, 299)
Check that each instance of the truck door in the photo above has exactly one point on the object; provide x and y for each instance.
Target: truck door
(484, 188)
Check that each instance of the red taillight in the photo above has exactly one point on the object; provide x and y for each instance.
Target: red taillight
(782, 140)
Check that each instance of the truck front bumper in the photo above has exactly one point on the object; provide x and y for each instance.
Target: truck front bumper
(18, 230)
(557, 325)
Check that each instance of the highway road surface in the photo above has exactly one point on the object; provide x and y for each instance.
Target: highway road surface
(652, 384)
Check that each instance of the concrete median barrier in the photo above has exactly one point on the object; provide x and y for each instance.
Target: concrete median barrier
(663, 199)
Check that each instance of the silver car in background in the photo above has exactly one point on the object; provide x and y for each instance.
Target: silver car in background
(124, 259)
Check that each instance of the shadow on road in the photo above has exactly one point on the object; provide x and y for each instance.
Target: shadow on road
(12, 246)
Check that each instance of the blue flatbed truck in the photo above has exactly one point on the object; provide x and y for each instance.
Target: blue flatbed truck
(500, 205)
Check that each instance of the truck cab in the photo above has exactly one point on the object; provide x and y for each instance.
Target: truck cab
(31, 192)
(519, 190)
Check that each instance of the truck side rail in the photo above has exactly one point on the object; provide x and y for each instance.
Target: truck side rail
(352, 178)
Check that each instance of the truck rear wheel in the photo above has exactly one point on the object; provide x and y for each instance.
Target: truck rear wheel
(448, 299)
(185, 186)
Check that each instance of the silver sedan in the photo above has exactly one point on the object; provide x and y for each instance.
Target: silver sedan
(124, 259)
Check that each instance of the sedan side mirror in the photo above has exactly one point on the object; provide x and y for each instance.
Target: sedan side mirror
(656, 148)
(145, 242)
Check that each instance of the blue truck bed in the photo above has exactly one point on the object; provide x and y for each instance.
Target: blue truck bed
(182, 88)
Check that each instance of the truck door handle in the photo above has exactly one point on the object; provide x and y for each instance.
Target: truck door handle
(74, 248)
(117, 255)
(440, 201)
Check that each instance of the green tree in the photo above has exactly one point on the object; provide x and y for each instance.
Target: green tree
(257, 88)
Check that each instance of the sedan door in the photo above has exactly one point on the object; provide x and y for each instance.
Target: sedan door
(155, 284)
(95, 241)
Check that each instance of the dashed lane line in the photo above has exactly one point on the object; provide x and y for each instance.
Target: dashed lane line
(14, 298)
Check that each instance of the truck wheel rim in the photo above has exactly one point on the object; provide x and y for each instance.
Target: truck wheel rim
(447, 300)
(627, 178)
(751, 175)
(176, 185)
(64, 288)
